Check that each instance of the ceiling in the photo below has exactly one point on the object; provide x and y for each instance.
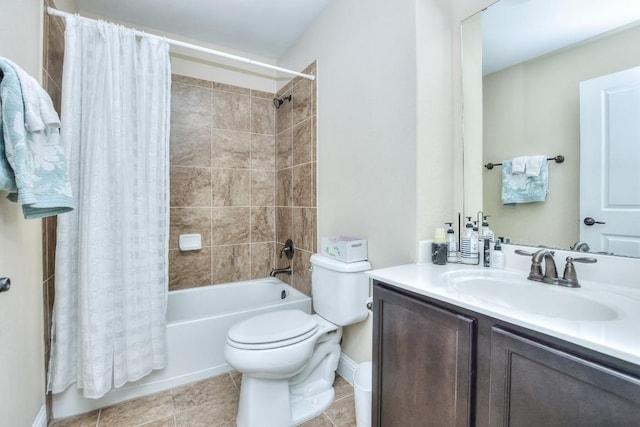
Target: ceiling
(261, 27)
(518, 30)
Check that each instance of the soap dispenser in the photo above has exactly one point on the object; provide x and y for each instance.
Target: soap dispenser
(487, 233)
(452, 244)
(469, 244)
(497, 256)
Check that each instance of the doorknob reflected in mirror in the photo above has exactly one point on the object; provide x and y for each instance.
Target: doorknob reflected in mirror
(590, 221)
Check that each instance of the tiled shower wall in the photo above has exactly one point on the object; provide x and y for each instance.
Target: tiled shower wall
(243, 177)
(53, 53)
(296, 210)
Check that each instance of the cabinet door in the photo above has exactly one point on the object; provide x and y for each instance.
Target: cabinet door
(535, 385)
(422, 363)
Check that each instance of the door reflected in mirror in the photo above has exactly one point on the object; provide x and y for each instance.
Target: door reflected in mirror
(523, 99)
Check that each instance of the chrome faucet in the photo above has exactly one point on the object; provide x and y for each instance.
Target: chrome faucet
(580, 246)
(285, 270)
(550, 276)
(550, 271)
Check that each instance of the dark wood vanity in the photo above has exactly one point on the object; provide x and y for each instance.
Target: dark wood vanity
(437, 364)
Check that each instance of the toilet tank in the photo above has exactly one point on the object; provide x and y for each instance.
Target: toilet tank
(339, 289)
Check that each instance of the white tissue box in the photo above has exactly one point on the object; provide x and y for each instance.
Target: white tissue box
(344, 248)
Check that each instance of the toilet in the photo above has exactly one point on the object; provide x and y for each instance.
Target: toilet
(288, 358)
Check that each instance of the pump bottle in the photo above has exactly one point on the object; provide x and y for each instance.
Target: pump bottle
(469, 244)
(452, 244)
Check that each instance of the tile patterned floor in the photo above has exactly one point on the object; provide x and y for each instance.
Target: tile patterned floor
(209, 403)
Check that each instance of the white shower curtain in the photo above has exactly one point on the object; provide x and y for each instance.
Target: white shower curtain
(111, 264)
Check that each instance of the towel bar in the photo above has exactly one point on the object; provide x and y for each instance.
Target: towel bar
(559, 159)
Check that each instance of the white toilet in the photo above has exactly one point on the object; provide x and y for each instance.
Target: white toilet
(288, 358)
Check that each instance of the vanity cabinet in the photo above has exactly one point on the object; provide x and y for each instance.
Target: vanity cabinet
(436, 364)
(533, 384)
(423, 361)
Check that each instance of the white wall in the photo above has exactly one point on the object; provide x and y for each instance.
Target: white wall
(21, 309)
(387, 162)
(366, 130)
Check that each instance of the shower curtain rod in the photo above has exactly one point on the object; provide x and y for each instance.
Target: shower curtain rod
(56, 12)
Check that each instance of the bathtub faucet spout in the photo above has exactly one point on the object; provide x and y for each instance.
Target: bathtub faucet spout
(286, 270)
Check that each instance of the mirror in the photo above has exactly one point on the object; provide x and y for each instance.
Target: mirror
(523, 61)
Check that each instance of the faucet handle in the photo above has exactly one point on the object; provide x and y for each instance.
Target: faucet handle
(524, 253)
(570, 277)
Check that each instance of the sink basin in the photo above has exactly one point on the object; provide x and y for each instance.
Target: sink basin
(506, 289)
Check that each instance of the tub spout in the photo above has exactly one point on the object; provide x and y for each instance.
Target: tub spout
(286, 270)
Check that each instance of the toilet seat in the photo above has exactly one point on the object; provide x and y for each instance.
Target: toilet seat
(272, 330)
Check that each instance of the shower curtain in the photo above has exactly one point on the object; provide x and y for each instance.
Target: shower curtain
(112, 252)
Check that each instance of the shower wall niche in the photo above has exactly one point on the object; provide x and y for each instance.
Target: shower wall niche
(242, 176)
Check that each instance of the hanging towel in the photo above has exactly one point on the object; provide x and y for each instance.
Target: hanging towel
(32, 146)
(518, 164)
(520, 188)
(534, 164)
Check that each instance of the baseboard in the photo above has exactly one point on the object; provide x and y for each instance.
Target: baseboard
(41, 418)
(346, 367)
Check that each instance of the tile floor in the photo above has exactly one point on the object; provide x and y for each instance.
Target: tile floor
(208, 403)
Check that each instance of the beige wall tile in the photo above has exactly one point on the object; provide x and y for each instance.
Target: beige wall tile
(230, 263)
(189, 221)
(190, 186)
(230, 187)
(189, 269)
(230, 149)
(284, 149)
(263, 191)
(262, 259)
(303, 228)
(176, 78)
(284, 114)
(283, 187)
(263, 227)
(302, 185)
(263, 152)
(262, 116)
(230, 225)
(283, 224)
(262, 94)
(301, 278)
(190, 105)
(190, 145)
(302, 101)
(230, 88)
(302, 143)
(231, 111)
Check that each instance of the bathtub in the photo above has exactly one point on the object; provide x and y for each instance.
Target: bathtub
(197, 323)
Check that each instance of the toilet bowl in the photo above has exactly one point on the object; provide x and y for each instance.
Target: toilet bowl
(288, 358)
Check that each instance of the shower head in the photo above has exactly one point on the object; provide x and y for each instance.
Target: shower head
(279, 101)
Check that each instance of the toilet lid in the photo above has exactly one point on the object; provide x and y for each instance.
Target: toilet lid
(272, 327)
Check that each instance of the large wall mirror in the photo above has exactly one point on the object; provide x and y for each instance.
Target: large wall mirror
(523, 65)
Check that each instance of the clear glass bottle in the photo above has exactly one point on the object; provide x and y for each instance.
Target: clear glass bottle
(452, 244)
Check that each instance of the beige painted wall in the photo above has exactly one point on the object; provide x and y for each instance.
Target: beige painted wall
(21, 309)
(533, 108)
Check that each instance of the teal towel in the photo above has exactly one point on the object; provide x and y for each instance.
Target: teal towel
(520, 188)
(33, 166)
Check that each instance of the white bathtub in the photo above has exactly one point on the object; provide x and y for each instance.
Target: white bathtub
(197, 323)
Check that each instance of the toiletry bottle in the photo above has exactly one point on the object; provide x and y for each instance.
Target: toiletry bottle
(439, 247)
(486, 231)
(469, 244)
(452, 244)
(486, 240)
(497, 256)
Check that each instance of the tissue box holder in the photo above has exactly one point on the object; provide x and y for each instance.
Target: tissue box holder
(343, 248)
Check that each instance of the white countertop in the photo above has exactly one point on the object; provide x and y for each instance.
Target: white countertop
(618, 337)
